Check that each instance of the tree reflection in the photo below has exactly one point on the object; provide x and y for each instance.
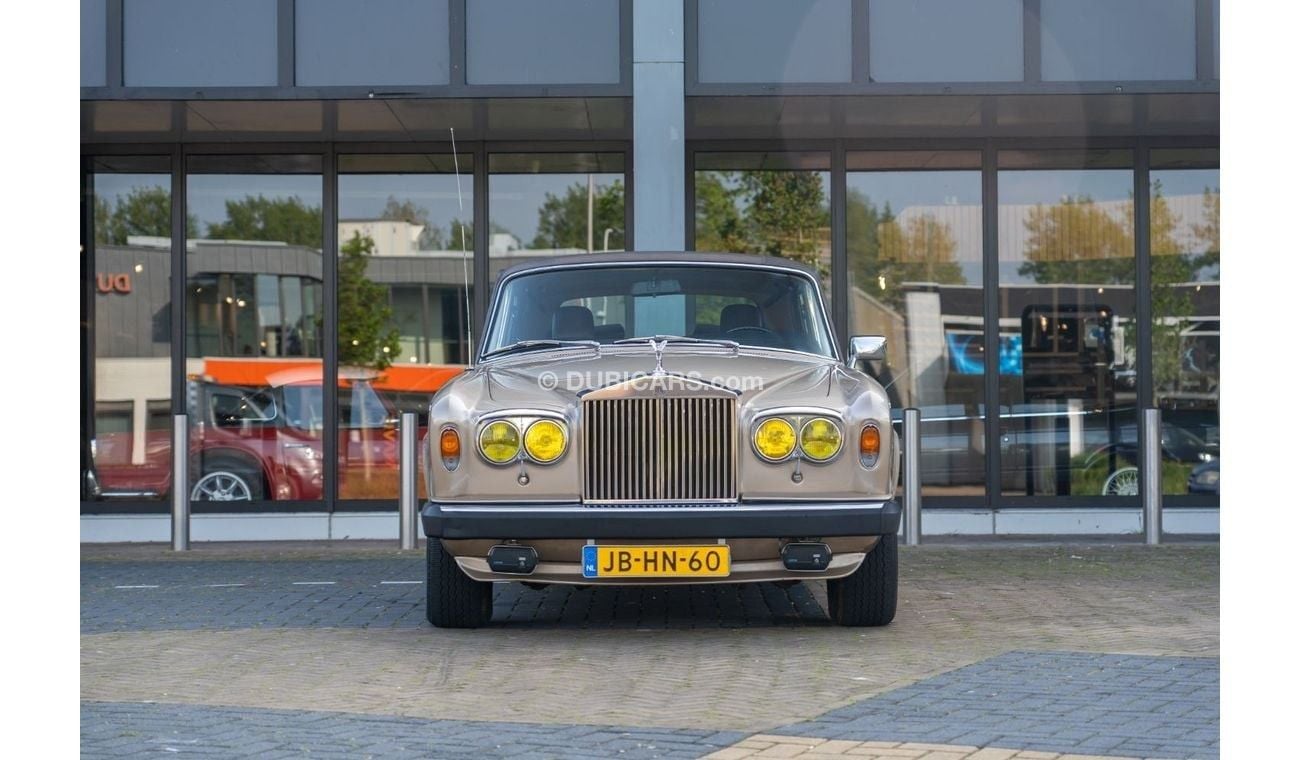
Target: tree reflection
(779, 213)
(888, 253)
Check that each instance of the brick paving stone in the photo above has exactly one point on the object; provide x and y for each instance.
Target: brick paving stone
(110, 728)
(659, 658)
(972, 698)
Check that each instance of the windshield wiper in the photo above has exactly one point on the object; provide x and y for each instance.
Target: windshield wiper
(528, 345)
(679, 339)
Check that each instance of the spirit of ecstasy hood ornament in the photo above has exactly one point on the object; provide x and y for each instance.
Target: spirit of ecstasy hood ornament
(659, 355)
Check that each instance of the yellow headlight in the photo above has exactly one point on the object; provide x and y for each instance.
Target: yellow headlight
(499, 442)
(820, 439)
(774, 439)
(544, 440)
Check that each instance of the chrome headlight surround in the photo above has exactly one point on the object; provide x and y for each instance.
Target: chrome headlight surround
(798, 418)
(521, 420)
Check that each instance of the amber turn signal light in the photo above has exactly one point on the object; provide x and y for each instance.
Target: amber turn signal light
(449, 448)
(869, 445)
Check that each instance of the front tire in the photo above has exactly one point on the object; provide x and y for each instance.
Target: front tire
(452, 598)
(1122, 482)
(868, 597)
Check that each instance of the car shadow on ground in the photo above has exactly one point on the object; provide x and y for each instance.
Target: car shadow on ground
(660, 607)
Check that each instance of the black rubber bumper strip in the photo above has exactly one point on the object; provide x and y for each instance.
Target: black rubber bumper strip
(538, 521)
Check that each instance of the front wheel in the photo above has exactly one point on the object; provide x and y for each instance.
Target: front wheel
(1122, 482)
(868, 597)
(452, 598)
(228, 483)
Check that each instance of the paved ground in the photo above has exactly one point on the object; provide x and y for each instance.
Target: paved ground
(998, 651)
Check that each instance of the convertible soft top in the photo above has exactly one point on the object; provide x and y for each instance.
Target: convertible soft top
(654, 257)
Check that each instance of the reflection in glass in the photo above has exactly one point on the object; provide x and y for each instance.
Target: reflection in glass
(128, 441)
(771, 203)
(554, 204)
(1185, 325)
(915, 246)
(1067, 393)
(254, 325)
(406, 243)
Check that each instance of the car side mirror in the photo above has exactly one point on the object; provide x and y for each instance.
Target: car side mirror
(866, 348)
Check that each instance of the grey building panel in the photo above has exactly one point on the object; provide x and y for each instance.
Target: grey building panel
(136, 323)
(759, 41)
(552, 42)
(255, 259)
(198, 43)
(438, 270)
(946, 41)
(659, 151)
(1214, 20)
(657, 33)
(1117, 40)
(379, 42)
(94, 43)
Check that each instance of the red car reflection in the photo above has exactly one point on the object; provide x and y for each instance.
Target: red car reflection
(251, 443)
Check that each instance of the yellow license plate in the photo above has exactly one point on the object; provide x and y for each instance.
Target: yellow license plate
(709, 561)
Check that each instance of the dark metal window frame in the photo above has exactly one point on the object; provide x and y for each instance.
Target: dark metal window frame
(1032, 82)
(179, 155)
(988, 147)
(286, 89)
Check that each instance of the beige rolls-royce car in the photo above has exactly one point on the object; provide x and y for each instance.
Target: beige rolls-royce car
(661, 418)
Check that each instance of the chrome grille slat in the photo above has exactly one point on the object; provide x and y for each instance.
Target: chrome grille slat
(659, 449)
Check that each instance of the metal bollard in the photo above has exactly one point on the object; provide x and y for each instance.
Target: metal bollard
(406, 464)
(1152, 496)
(912, 476)
(180, 483)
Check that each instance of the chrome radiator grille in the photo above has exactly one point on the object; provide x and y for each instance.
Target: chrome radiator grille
(659, 449)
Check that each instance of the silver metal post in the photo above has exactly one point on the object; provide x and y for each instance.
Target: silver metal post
(1152, 496)
(406, 464)
(180, 483)
(912, 476)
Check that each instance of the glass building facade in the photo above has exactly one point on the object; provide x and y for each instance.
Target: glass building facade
(293, 212)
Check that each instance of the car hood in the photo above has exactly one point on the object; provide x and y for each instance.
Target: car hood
(556, 379)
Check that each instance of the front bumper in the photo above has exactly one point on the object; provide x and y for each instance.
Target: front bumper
(744, 520)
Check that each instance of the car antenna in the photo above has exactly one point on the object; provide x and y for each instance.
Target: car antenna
(464, 251)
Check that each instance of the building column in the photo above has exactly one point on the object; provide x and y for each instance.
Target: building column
(658, 126)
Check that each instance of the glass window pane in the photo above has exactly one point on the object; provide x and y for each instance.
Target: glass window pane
(775, 41)
(94, 41)
(555, 42)
(379, 42)
(946, 41)
(915, 244)
(1068, 338)
(406, 242)
(539, 205)
(199, 43)
(129, 454)
(254, 328)
(770, 203)
(1185, 325)
(1118, 40)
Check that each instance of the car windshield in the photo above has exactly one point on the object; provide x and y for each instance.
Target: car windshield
(750, 306)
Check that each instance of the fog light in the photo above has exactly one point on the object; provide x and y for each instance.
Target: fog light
(515, 560)
(806, 556)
